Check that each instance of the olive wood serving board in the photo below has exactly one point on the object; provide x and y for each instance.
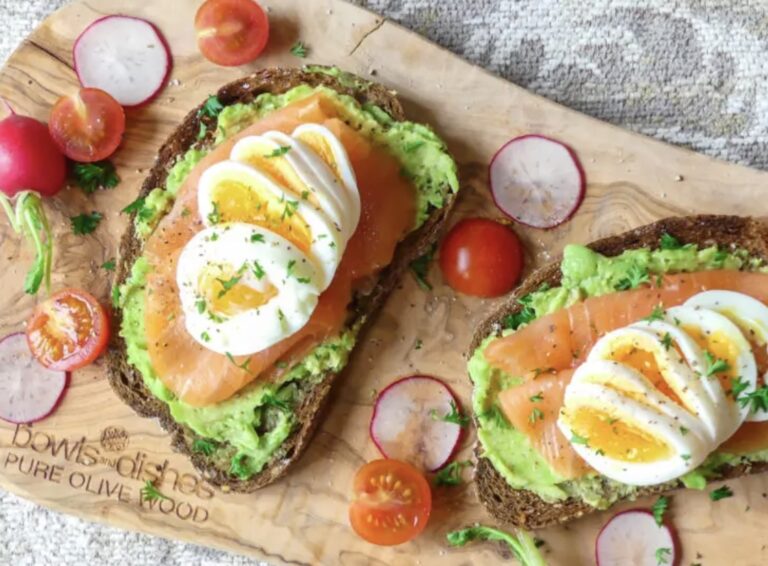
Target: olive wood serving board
(86, 458)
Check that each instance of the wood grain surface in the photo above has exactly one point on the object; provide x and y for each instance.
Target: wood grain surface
(83, 460)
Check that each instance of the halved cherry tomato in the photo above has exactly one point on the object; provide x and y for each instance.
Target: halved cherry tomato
(88, 125)
(68, 331)
(392, 502)
(231, 32)
(481, 257)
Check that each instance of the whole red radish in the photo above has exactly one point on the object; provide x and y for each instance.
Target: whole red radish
(29, 159)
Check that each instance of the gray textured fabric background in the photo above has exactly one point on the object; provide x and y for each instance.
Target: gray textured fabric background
(691, 72)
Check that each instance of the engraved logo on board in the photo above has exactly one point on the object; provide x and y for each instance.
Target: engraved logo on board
(114, 439)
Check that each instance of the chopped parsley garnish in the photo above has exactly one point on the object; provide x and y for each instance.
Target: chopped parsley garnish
(738, 386)
(577, 439)
(659, 508)
(304, 195)
(495, 416)
(663, 555)
(523, 316)
(757, 400)
(418, 345)
(135, 206)
(410, 147)
(451, 474)
(720, 257)
(243, 366)
(656, 314)
(108, 265)
(722, 492)
(257, 238)
(290, 209)
(257, 270)
(669, 242)
(238, 468)
(279, 152)
(523, 545)
(420, 268)
(273, 401)
(453, 416)
(200, 305)
(289, 269)
(667, 341)
(685, 457)
(536, 414)
(203, 446)
(185, 212)
(636, 276)
(684, 430)
(227, 284)
(93, 176)
(150, 493)
(535, 398)
(211, 108)
(715, 365)
(214, 217)
(83, 224)
(205, 337)
(299, 50)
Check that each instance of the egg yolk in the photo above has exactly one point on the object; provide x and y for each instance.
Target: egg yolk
(721, 348)
(615, 438)
(322, 148)
(238, 202)
(645, 362)
(223, 294)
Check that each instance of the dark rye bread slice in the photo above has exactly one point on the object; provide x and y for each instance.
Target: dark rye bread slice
(525, 508)
(127, 382)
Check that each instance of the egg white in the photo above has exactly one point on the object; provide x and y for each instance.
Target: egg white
(255, 329)
(749, 314)
(327, 245)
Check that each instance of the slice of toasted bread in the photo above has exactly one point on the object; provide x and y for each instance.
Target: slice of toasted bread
(128, 382)
(525, 508)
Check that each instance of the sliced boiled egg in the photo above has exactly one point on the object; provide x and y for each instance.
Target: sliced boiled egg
(230, 191)
(244, 288)
(295, 166)
(751, 316)
(727, 357)
(625, 429)
(332, 152)
(664, 369)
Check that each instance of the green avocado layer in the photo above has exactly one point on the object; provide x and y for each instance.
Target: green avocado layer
(585, 274)
(247, 429)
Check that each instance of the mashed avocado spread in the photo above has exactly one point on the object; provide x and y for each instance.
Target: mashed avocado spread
(247, 429)
(584, 274)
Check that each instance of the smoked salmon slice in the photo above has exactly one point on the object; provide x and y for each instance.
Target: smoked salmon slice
(546, 352)
(202, 377)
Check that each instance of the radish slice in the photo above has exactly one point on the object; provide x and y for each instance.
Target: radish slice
(633, 537)
(29, 392)
(407, 422)
(124, 56)
(537, 181)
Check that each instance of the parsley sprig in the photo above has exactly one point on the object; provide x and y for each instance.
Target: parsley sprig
(93, 176)
(300, 50)
(636, 276)
(453, 416)
(451, 474)
(659, 509)
(420, 268)
(150, 493)
(722, 492)
(85, 223)
(715, 365)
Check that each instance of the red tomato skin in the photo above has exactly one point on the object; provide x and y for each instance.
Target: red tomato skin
(29, 158)
(96, 140)
(416, 513)
(481, 257)
(248, 13)
(95, 344)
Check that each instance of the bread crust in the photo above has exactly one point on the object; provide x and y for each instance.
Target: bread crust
(127, 382)
(526, 509)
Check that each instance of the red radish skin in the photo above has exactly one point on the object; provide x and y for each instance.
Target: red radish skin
(93, 73)
(633, 537)
(29, 158)
(402, 427)
(29, 392)
(514, 205)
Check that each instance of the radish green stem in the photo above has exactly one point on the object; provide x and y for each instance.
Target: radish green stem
(28, 219)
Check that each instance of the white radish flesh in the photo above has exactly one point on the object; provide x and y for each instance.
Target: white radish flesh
(537, 181)
(29, 392)
(124, 56)
(633, 537)
(408, 424)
